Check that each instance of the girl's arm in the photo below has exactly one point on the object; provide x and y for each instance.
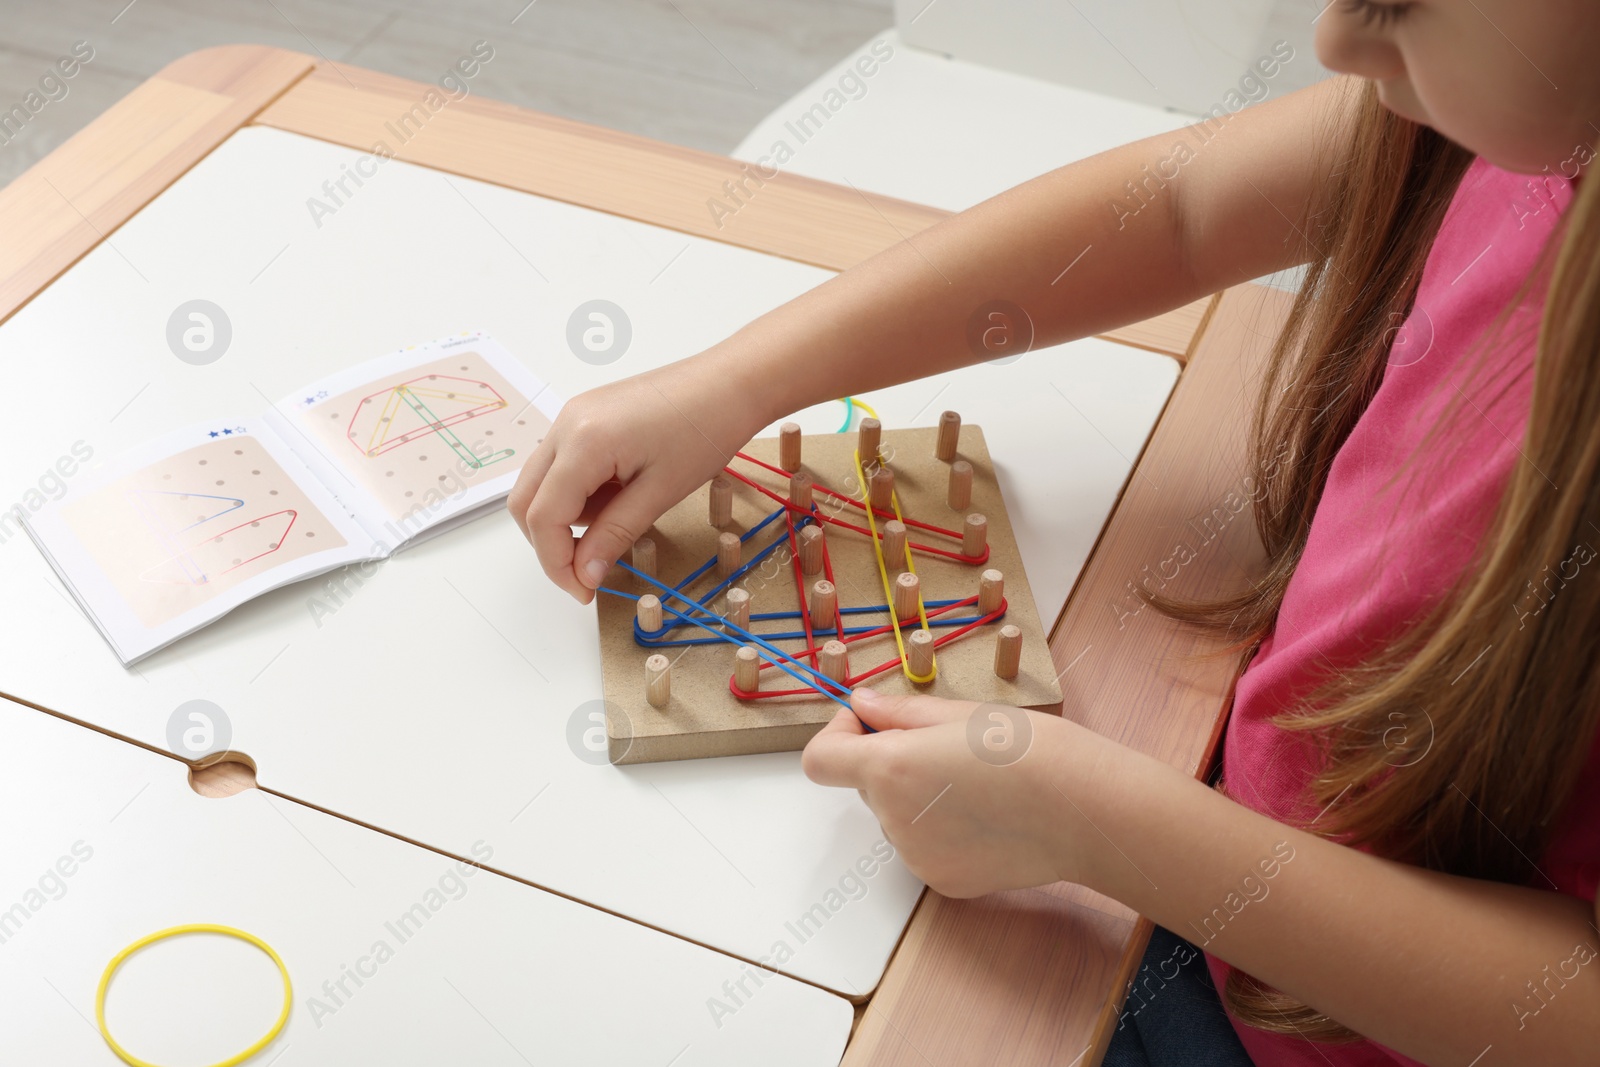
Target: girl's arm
(1447, 970)
(1147, 245)
(1143, 228)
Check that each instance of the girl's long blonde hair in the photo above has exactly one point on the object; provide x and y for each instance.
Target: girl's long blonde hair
(1505, 748)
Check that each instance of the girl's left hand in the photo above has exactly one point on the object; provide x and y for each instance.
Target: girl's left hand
(974, 797)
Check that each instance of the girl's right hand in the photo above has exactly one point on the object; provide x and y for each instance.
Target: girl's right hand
(618, 457)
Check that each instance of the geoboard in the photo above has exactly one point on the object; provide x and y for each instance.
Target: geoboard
(675, 610)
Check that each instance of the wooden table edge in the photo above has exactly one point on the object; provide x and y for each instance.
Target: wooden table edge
(78, 195)
(527, 150)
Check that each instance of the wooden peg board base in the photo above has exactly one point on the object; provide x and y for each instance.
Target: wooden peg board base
(703, 717)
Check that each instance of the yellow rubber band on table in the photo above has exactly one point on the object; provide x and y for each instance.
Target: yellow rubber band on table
(175, 931)
(883, 575)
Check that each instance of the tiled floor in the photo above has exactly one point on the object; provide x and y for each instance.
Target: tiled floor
(695, 72)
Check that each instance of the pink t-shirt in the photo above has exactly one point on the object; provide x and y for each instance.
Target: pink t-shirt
(1398, 522)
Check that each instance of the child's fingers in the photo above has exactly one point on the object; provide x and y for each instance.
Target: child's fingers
(908, 712)
(838, 754)
(556, 506)
(598, 501)
(528, 481)
(617, 526)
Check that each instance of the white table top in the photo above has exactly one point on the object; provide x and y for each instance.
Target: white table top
(436, 701)
(488, 971)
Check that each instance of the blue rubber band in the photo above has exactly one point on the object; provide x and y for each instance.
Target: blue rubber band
(778, 656)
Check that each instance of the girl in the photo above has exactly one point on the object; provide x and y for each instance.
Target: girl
(1401, 860)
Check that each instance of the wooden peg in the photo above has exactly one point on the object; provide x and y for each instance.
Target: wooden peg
(738, 611)
(811, 550)
(894, 544)
(644, 560)
(658, 680)
(649, 613)
(959, 495)
(881, 488)
(789, 446)
(907, 595)
(920, 654)
(1008, 651)
(721, 500)
(729, 550)
(800, 490)
(974, 535)
(868, 435)
(746, 669)
(824, 605)
(949, 436)
(991, 590)
(834, 661)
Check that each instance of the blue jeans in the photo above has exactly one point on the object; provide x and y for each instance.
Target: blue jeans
(1173, 1016)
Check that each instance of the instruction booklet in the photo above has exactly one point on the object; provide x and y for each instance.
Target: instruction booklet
(175, 534)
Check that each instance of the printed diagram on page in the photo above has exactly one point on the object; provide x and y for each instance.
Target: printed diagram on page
(187, 528)
(418, 437)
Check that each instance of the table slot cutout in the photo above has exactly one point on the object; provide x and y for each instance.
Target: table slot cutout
(223, 774)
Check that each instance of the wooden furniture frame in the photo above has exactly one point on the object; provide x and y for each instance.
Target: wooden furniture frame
(1024, 977)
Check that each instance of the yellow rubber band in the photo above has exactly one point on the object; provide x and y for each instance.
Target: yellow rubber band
(175, 931)
(883, 575)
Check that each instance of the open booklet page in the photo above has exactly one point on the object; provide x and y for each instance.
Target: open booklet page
(171, 536)
(419, 437)
(178, 532)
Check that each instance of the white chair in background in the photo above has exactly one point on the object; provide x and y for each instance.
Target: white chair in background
(966, 98)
